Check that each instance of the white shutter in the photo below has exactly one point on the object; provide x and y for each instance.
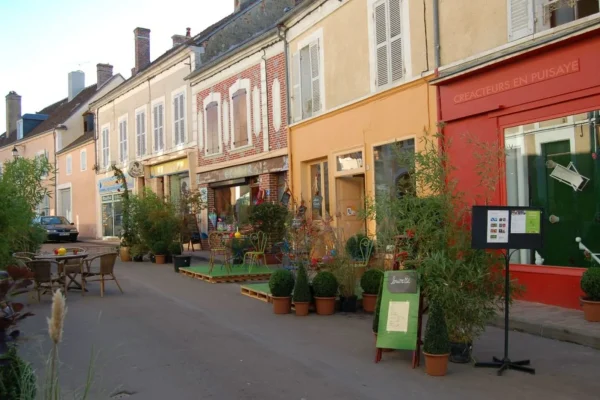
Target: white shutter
(520, 19)
(396, 60)
(138, 134)
(297, 95)
(161, 124)
(181, 120)
(176, 120)
(143, 117)
(381, 43)
(315, 76)
(155, 127)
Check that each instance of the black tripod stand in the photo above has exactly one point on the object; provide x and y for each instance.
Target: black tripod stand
(506, 363)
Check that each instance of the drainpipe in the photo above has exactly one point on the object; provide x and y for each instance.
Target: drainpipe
(55, 174)
(287, 104)
(436, 33)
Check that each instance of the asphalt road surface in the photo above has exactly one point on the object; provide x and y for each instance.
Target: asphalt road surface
(176, 338)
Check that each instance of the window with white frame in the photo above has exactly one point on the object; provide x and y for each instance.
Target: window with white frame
(20, 129)
(389, 55)
(526, 17)
(123, 140)
(179, 118)
(212, 128)
(83, 160)
(158, 115)
(42, 154)
(307, 81)
(1, 168)
(140, 133)
(69, 164)
(105, 147)
(239, 105)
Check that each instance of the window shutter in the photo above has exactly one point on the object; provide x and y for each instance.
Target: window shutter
(520, 19)
(297, 96)
(143, 118)
(396, 61)
(315, 76)
(181, 119)
(306, 82)
(381, 43)
(161, 124)
(176, 120)
(155, 127)
(242, 114)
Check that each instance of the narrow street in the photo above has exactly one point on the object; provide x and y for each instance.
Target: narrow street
(173, 337)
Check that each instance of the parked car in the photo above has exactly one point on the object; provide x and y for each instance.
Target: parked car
(58, 228)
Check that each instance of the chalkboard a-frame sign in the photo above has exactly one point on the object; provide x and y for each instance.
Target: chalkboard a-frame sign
(507, 227)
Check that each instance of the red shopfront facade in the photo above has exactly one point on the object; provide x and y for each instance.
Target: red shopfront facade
(542, 107)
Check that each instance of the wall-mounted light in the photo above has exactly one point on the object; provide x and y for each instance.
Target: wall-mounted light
(15, 152)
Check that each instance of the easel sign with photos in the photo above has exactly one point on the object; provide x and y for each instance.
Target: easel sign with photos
(509, 229)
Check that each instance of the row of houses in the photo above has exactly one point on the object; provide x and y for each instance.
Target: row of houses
(314, 98)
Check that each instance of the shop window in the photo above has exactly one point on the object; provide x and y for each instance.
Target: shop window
(232, 206)
(555, 166)
(392, 168)
(239, 102)
(112, 215)
(212, 128)
(43, 209)
(319, 183)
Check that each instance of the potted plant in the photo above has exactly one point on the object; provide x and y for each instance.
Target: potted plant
(128, 235)
(590, 284)
(160, 250)
(325, 287)
(436, 345)
(271, 219)
(281, 284)
(345, 274)
(301, 292)
(370, 282)
(137, 252)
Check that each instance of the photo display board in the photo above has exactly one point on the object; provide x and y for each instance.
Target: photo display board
(399, 312)
(505, 227)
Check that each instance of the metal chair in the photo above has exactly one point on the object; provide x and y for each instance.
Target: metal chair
(259, 242)
(43, 278)
(216, 241)
(105, 272)
(24, 256)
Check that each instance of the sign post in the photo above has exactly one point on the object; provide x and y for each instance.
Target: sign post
(509, 229)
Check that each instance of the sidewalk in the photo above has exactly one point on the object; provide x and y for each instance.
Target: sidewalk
(552, 322)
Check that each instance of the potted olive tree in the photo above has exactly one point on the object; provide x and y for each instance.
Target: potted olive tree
(281, 284)
(370, 282)
(436, 345)
(325, 287)
(301, 292)
(590, 284)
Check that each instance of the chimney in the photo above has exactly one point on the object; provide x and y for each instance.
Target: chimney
(178, 39)
(103, 73)
(76, 83)
(13, 112)
(142, 48)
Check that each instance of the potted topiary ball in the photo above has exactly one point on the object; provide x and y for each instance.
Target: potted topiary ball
(281, 284)
(160, 250)
(325, 287)
(436, 345)
(301, 292)
(590, 284)
(370, 282)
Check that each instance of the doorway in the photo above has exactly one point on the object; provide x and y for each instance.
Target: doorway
(64, 208)
(350, 201)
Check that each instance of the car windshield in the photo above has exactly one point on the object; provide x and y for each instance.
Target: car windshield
(54, 221)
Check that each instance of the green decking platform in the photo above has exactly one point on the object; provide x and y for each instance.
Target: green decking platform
(219, 274)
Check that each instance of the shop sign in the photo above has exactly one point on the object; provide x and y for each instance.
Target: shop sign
(110, 184)
(170, 167)
(277, 164)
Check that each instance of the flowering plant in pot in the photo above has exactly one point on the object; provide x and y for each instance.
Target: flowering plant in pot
(301, 292)
(436, 345)
(370, 282)
(281, 284)
(160, 250)
(325, 287)
(590, 284)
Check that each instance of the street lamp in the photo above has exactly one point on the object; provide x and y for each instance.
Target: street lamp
(15, 152)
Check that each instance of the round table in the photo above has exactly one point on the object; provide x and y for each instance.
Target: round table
(61, 260)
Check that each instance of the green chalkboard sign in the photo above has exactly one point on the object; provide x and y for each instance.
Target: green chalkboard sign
(399, 313)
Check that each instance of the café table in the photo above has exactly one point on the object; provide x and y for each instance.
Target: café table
(61, 260)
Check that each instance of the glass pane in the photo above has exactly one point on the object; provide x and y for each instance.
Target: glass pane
(392, 167)
(107, 220)
(350, 161)
(118, 212)
(316, 197)
(326, 186)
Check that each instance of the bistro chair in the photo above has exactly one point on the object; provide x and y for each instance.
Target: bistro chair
(106, 271)
(259, 242)
(216, 241)
(43, 278)
(24, 256)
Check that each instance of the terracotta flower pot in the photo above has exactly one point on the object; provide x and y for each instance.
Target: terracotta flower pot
(124, 254)
(282, 305)
(369, 301)
(301, 308)
(591, 310)
(436, 364)
(325, 305)
(160, 259)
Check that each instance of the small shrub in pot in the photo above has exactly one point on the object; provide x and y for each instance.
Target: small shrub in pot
(302, 293)
(325, 287)
(281, 285)
(590, 284)
(370, 283)
(436, 345)
(160, 250)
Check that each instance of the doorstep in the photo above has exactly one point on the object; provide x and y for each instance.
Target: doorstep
(551, 322)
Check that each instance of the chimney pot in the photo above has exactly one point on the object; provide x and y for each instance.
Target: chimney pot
(103, 73)
(13, 112)
(178, 39)
(188, 32)
(142, 48)
(76, 83)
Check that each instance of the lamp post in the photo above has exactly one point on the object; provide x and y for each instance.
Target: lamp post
(15, 152)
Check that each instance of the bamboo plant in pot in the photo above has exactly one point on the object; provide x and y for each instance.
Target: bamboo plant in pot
(590, 284)
(281, 285)
(160, 250)
(345, 274)
(436, 345)
(301, 292)
(370, 282)
(325, 287)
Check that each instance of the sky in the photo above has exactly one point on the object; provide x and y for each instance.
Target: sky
(41, 41)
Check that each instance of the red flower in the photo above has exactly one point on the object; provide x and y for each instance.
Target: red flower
(403, 255)
(410, 233)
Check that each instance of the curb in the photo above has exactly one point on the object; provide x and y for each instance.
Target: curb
(549, 331)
